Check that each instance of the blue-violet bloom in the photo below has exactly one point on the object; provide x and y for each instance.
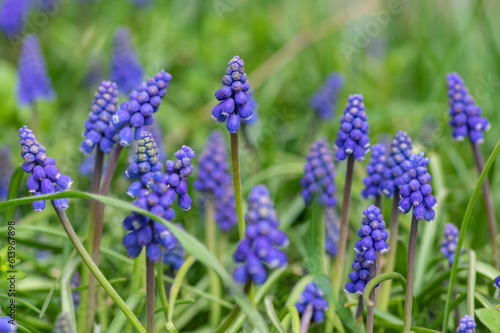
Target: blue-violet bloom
(314, 295)
(466, 325)
(449, 243)
(375, 169)
(401, 149)
(126, 70)
(326, 97)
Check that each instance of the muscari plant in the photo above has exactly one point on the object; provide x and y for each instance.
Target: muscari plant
(311, 305)
(467, 122)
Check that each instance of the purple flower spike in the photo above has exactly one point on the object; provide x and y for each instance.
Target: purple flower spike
(332, 224)
(126, 70)
(260, 247)
(449, 243)
(400, 151)
(465, 114)
(33, 81)
(375, 170)
(225, 208)
(174, 257)
(467, 325)
(44, 176)
(98, 131)
(325, 99)
(6, 171)
(138, 111)
(145, 160)
(416, 191)
(318, 179)
(314, 295)
(352, 137)
(233, 97)
(12, 15)
(373, 239)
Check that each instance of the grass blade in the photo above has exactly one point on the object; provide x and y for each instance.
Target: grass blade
(471, 283)
(271, 313)
(176, 286)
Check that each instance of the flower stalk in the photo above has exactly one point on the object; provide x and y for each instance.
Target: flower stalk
(410, 274)
(305, 321)
(150, 296)
(237, 184)
(161, 284)
(215, 288)
(369, 313)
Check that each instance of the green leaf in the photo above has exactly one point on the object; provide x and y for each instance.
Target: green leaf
(291, 310)
(15, 184)
(66, 294)
(463, 231)
(490, 318)
(120, 319)
(191, 244)
(176, 286)
(471, 282)
(271, 313)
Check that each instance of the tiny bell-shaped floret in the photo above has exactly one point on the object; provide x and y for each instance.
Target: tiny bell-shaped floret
(400, 151)
(449, 243)
(466, 325)
(313, 295)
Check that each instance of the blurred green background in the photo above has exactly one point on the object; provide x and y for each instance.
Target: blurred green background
(395, 53)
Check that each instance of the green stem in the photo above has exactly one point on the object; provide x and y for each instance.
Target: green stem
(161, 285)
(318, 232)
(150, 296)
(96, 272)
(344, 224)
(488, 203)
(215, 287)
(359, 309)
(410, 274)
(471, 283)
(237, 184)
(391, 256)
(463, 230)
(176, 285)
(97, 235)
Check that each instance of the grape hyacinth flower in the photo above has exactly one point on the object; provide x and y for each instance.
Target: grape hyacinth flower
(145, 232)
(7, 326)
(144, 164)
(174, 257)
(449, 243)
(325, 99)
(233, 96)
(318, 179)
(12, 15)
(178, 171)
(496, 283)
(352, 137)
(44, 176)
(5, 172)
(467, 325)
(126, 70)
(314, 297)
(252, 102)
(373, 239)
(465, 114)
(331, 231)
(33, 80)
(375, 169)
(259, 248)
(225, 208)
(98, 130)
(400, 151)
(416, 191)
(213, 173)
(138, 111)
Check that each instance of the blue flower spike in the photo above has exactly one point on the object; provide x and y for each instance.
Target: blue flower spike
(233, 97)
(259, 250)
(400, 151)
(325, 99)
(373, 239)
(466, 325)
(352, 137)
(465, 115)
(449, 243)
(416, 191)
(375, 169)
(44, 176)
(318, 179)
(126, 70)
(313, 294)
(98, 131)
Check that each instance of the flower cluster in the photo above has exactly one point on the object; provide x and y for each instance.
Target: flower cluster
(138, 111)
(233, 96)
(465, 114)
(262, 236)
(145, 162)
(97, 128)
(44, 177)
(126, 70)
(319, 174)
(466, 325)
(6, 326)
(373, 239)
(144, 232)
(174, 257)
(416, 192)
(401, 149)
(496, 283)
(33, 81)
(314, 295)
(213, 169)
(449, 243)
(352, 137)
(12, 14)
(325, 99)
(375, 170)
(225, 208)
(177, 172)
(5, 171)
(332, 223)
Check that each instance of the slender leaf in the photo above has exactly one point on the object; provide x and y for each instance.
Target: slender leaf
(120, 319)
(176, 286)
(66, 294)
(471, 282)
(271, 313)
(490, 318)
(15, 184)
